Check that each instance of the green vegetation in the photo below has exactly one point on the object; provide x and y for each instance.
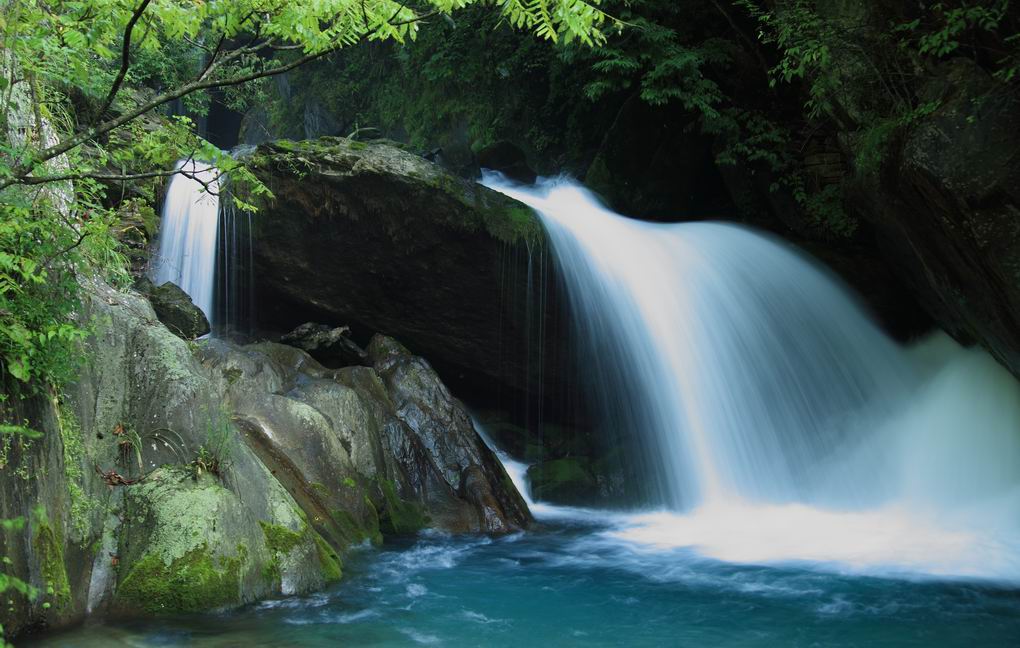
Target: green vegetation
(214, 454)
(280, 541)
(196, 582)
(765, 81)
(332, 566)
(399, 517)
(82, 504)
(84, 93)
(48, 545)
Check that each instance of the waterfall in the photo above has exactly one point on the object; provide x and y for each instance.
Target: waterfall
(205, 247)
(235, 263)
(187, 234)
(775, 421)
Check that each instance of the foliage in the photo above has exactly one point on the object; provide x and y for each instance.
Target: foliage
(81, 86)
(214, 454)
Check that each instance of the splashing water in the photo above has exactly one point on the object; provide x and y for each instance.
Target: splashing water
(187, 234)
(777, 422)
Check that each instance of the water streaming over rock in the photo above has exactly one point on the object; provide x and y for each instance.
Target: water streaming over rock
(776, 421)
(187, 233)
(235, 271)
(205, 247)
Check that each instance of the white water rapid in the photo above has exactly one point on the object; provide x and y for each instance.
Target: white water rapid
(777, 422)
(187, 235)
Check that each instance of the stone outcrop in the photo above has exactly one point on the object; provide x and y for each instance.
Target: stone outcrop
(185, 476)
(371, 236)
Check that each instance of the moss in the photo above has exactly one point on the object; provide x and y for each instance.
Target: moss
(48, 545)
(82, 505)
(511, 222)
(373, 522)
(287, 145)
(355, 530)
(280, 541)
(567, 480)
(322, 489)
(232, 375)
(399, 517)
(358, 146)
(192, 583)
(332, 567)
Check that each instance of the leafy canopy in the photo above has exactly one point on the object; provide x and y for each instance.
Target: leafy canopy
(84, 88)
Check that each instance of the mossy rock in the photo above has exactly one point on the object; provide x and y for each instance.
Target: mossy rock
(400, 517)
(189, 544)
(197, 581)
(48, 546)
(564, 481)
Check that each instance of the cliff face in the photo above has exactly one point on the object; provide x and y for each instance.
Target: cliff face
(946, 206)
(180, 476)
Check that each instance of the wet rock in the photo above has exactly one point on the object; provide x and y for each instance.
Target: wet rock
(508, 159)
(331, 346)
(188, 545)
(564, 481)
(185, 476)
(442, 425)
(175, 309)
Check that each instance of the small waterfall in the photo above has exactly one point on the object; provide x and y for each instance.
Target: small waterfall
(187, 233)
(775, 421)
(205, 247)
(235, 263)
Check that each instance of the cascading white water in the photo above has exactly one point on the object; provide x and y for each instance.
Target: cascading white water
(779, 422)
(187, 236)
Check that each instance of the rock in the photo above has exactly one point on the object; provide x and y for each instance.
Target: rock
(509, 160)
(136, 225)
(374, 237)
(187, 545)
(564, 481)
(441, 424)
(175, 309)
(946, 205)
(332, 347)
(191, 476)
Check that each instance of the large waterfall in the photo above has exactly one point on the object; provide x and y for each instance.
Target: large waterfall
(776, 421)
(187, 234)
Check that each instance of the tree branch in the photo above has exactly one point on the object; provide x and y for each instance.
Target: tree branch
(125, 57)
(21, 174)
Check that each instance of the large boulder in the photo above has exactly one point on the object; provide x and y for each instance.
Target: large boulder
(371, 236)
(946, 203)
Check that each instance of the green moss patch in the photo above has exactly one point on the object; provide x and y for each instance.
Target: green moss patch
(49, 551)
(195, 582)
(332, 567)
(568, 481)
(280, 541)
(399, 517)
